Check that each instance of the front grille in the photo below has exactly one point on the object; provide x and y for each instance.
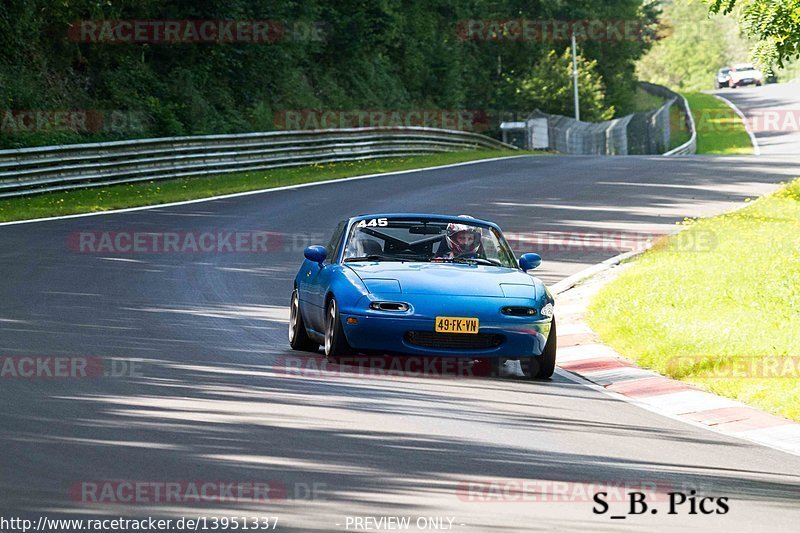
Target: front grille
(432, 339)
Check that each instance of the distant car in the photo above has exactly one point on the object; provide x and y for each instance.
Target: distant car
(745, 74)
(723, 78)
(426, 285)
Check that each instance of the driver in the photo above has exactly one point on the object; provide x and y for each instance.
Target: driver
(461, 240)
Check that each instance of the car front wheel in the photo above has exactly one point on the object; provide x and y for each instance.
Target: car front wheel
(335, 342)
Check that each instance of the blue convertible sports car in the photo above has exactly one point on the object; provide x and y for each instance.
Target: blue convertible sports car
(426, 285)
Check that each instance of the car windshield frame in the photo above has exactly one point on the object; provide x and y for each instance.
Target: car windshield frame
(502, 245)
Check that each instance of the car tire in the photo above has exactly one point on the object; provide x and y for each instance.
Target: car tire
(543, 366)
(336, 345)
(298, 335)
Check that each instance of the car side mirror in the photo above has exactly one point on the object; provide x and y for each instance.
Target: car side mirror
(529, 261)
(316, 254)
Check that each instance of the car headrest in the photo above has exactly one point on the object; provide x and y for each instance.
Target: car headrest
(370, 247)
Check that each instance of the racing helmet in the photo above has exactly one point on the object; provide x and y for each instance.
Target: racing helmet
(454, 235)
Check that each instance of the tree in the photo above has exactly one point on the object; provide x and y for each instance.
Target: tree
(548, 87)
(691, 47)
(775, 23)
(369, 55)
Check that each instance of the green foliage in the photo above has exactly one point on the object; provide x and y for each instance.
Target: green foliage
(390, 54)
(788, 72)
(775, 24)
(549, 87)
(692, 46)
(645, 101)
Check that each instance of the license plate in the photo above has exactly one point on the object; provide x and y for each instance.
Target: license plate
(450, 324)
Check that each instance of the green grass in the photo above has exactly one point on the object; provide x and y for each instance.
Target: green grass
(160, 192)
(719, 128)
(789, 72)
(717, 305)
(644, 101)
(678, 132)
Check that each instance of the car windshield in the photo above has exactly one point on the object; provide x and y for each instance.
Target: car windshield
(740, 68)
(724, 71)
(427, 240)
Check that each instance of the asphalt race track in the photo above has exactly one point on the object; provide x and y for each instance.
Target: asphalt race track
(773, 112)
(213, 398)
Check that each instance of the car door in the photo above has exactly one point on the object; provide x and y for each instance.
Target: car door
(317, 280)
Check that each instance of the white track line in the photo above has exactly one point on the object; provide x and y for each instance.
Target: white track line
(260, 191)
(756, 148)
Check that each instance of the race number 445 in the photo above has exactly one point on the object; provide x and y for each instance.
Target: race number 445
(372, 223)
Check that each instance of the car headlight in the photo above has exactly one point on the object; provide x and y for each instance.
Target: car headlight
(547, 310)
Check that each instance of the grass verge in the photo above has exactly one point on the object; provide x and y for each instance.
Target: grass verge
(96, 199)
(719, 129)
(717, 305)
(678, 133)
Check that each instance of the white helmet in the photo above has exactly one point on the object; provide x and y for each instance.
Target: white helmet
(454, 229)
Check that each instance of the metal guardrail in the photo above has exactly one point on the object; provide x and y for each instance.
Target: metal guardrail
(646, 132)
(649, 131)
(690, 146)
(56, 168)
(569, 136)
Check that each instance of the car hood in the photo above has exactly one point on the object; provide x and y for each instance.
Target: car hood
(445, 279)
